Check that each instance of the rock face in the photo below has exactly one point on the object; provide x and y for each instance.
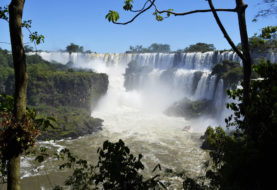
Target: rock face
(190, 109)
(75, 89)
(133, 74)
(72, 122)
(55, 90)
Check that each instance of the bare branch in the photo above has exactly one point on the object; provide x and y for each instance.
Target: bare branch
(191, 12)
(135, 11)
(147, 8)
(226, 35)
(196, 11)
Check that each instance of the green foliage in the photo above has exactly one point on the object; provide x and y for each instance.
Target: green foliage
(116, 169)
(27, 24)
(268, 32)
(190, 109)
(221, 68)
(244, 159)
(159, 47)
(54, 84)
(74, 48)
(135, 49)
(200, 47)
(6, 103)
(16, 137)
(54, 91)
(113, 16)
(264, 42)
(169, 12)
(128, 5)
(230, 72)
(153, 48)
(158, 16)
(4, 13)
(35, 38)
(71, 122)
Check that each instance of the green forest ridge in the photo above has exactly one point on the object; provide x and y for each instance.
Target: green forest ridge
(56, 90)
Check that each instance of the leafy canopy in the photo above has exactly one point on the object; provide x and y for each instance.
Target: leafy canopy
(74, 48)
(200, 47)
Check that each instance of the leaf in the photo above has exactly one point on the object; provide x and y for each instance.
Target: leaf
(112, 16)
(169, 12)
(4, 13)
(26, 24)
(37, 39)
(128, 5)
(159, 18)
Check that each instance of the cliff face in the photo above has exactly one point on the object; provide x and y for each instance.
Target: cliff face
(59, 91)
(75, 89)
(56, 85)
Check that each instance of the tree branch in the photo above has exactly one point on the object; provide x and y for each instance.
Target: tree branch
(142, 11)
(135, 11)
(191, 12)
(169, 12)
(226, 35)
(212, 9)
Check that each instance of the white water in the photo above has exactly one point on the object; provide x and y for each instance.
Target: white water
(137, 116)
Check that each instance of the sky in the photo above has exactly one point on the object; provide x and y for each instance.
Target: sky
(83, 22)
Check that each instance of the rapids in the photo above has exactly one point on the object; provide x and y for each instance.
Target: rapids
(137, 115)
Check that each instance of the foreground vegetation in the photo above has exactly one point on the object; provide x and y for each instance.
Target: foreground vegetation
(244, 159)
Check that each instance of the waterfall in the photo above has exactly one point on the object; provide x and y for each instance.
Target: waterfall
(170, 76)
(199, 61)
(201, 90)
(133, 108)
(219, 100)
(211, 87)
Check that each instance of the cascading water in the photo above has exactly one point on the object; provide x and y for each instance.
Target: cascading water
(180, 74)
(136, 114)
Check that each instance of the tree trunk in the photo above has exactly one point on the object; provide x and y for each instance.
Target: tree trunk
(247, 62)
(14, 173)
(21, 80)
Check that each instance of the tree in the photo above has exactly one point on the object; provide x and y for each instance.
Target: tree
(240, 8)
(136, 49)
(200, 47)
(74, 48)
(153, 48)
(159, 48)
(21, 81)
(13, 15)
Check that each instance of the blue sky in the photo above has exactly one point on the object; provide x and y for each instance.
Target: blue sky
(83, 22)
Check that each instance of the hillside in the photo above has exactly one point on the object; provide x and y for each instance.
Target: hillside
(57, 90)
